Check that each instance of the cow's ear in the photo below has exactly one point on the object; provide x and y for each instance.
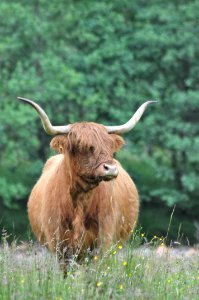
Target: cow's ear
(58, 143)
(118, 142)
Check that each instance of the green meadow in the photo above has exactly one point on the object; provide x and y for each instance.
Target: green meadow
(140, 269)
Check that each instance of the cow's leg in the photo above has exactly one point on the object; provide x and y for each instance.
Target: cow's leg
(65, 257)
(106, 235)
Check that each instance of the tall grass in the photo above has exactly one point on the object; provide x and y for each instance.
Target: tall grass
(131, 271)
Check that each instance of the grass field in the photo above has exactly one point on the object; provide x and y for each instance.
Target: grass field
(131, 271)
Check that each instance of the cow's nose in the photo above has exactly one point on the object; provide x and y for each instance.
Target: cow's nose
(110, 170)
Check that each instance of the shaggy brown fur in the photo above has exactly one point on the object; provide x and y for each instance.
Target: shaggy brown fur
(71, 207)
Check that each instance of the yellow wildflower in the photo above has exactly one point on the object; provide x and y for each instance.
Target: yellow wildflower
(124, 263)
(120, 247)
(99, 283)
(169, 281)
(142, 235)
(95, 257)
(121, 287)
(114, 252)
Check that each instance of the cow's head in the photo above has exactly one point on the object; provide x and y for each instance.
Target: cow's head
(89, 146)
(90, 149)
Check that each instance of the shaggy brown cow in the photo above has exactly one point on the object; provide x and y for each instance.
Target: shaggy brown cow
(84, 198)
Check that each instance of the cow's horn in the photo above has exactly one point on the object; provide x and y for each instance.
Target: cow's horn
(132, 122)
(48, 127)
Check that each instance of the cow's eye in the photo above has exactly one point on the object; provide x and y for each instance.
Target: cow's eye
(73, 150)
(92, 149)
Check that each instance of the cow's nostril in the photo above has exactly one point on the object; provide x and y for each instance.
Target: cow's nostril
(110, 170)
(106, 167)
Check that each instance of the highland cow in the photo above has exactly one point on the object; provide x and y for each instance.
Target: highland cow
(84, 198)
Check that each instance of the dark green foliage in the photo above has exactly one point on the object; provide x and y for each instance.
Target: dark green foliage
(98, 61)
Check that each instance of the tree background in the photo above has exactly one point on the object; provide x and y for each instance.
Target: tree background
(99, 61)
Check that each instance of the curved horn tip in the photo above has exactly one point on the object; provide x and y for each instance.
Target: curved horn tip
(20, 98)
(31, 102)
(152, 101)
(24, 99)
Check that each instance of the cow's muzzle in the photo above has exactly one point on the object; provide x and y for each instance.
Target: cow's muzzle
(104, 172)
(107, 171)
